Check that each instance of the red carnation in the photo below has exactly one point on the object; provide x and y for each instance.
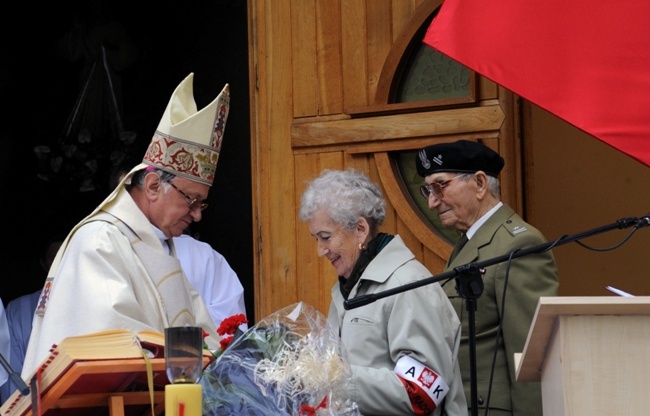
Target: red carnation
(224, 342)
(230, 324)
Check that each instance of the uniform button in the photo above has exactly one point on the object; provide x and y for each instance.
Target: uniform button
(480, 400)
(508, 221)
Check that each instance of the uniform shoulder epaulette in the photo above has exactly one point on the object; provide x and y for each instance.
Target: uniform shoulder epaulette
(515, 227)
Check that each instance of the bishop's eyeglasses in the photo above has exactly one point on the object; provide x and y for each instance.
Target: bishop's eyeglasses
(194, 202)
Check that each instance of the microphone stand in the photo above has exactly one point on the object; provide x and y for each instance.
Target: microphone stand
(15, 377)
(469, 284)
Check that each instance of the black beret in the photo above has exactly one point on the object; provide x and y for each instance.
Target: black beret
(463, 156)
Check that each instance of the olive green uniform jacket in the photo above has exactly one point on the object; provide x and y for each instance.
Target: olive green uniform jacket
(529, 277)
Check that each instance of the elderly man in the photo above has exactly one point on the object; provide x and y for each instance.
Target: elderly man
(116, 268)
(207, 270)
(461, 185)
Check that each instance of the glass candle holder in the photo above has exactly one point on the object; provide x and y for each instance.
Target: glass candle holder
(184, 364)
(184, 354)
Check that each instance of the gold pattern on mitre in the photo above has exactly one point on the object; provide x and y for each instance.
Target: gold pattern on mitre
(187, 142)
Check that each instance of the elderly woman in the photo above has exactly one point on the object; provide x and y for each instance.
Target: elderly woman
(402, 348)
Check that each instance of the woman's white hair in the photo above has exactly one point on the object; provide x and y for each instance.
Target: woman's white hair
(345, 195)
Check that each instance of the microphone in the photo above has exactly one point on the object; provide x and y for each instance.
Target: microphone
(15, 377)
(643, 221)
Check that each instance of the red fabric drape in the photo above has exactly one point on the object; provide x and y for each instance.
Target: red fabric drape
(586, 61)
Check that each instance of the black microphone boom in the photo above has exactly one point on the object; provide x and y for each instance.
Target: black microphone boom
(619, 224)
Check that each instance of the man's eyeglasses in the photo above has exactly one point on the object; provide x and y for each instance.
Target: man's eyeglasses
(435, 188)
(194, 202)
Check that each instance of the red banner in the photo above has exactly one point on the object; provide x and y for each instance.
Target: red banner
(586, 61)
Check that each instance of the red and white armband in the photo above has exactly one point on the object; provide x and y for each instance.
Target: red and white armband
(426, 388)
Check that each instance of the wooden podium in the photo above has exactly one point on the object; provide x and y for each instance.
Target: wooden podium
(100, 387)
(103, 388)
(591, 354)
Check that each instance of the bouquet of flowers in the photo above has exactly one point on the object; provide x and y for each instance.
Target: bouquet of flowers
(290, 363)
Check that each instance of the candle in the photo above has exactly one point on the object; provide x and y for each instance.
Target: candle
(183, 400)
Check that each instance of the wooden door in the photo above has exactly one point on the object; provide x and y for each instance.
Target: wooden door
(325, 87)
